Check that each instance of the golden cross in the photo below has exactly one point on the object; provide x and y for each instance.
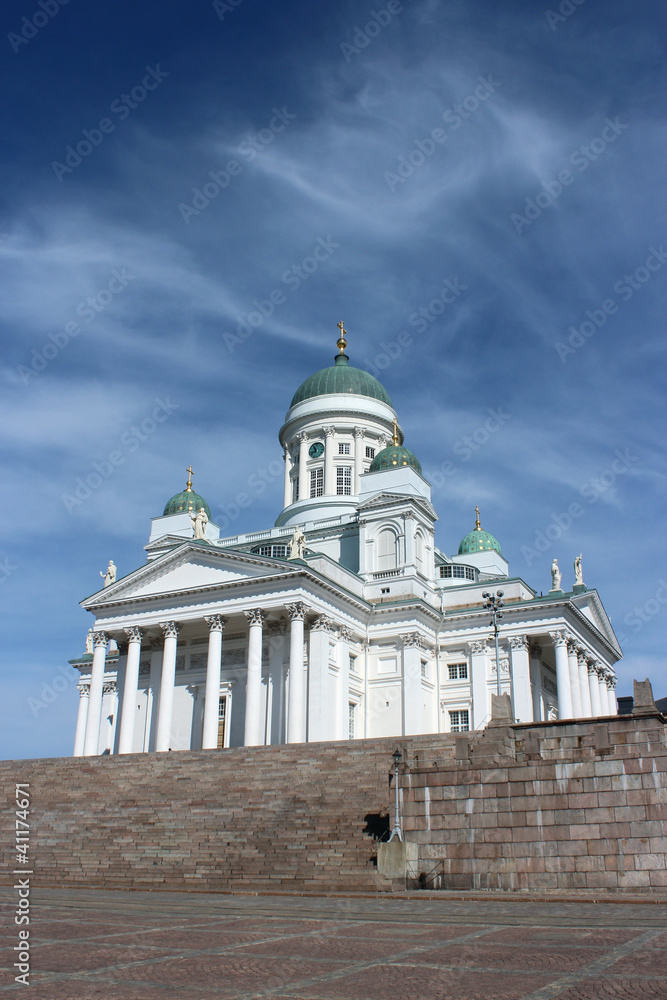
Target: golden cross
(189, 482)
(341, 343)
(394, 439)
(477, 521)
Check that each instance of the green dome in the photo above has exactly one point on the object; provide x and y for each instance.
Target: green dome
(341, 378)
(393, 456)
(479, 540)
(187, 500)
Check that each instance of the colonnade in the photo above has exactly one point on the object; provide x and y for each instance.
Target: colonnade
(162, 683)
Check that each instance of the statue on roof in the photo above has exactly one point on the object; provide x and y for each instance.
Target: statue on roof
(199, 522)
(110, 576)
(297, 545)
(578, 574)
(555, 575)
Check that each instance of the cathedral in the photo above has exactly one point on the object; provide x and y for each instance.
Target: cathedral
(342, 621)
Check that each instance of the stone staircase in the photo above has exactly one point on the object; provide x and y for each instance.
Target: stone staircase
(287, 818)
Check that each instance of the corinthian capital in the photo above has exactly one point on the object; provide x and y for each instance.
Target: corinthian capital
(170, 630)
(100, 639)
(133, 633)
(559, 637)
(518, 642)
(216, 623)
(255, 616)
(296, 612)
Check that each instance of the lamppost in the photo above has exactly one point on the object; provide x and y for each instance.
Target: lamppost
(396, 832)
(494, 604)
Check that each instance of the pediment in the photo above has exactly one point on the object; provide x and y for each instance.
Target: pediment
(590, 606)
(381, 501)
(191, 566)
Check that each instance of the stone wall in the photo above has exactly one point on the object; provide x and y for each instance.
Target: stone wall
(550, 806)
(555, 806)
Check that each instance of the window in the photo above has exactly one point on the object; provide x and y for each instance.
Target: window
(274, 551)
(370, 452)
(344, 480)
(222, 711)
(419, 552)
(350, 719)
(423, 664)
(459, 722)
(386, 550)
(316, 482)
(458, 671)
(457, 572)
(295, 489)
(343, 449)
(385, 590)
(353, 663)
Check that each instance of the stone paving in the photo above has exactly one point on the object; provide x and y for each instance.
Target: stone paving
(112, 945)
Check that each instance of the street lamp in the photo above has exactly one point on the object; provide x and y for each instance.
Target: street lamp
(494, 604)
(396, 832)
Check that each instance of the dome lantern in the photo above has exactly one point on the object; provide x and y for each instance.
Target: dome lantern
(188, 500)
(478, 540)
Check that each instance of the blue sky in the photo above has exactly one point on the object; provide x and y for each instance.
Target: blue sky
(515, 153)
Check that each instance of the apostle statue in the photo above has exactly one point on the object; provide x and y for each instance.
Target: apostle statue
(89, 641)
(555, 575)
(578, 574)
(110, 576)
(297, 545)
(199, 522)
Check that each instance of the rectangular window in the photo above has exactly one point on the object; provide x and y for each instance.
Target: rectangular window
(350, 719)
(344, 480)
(343, 449)
(370, 452)
(459, 722)
(470, 573)
(445, 572)
(423, 668)
(222, 710)
(317, 482)
(295, 489)
(458, 671)
(353, 663)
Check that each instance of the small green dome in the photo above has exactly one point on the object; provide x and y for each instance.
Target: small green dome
(393, 456)
(341, 377)
(187, 500)
(479, 540)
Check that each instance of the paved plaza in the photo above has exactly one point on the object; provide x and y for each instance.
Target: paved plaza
(108, 945)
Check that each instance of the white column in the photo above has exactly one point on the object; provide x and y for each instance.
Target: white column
(166, 702)
(318, 680)
(253, 699)
(91, 741)
(413, 700)
(536, 682)
(520, 665)
(209, 740)
(287, 497)
(275, 712)
(129, 712)
(80, 735)
(479, 666)
(359, 455)
(612, 708)
(121, 668)
(586, 708)
(296, 710)
(329, 484)
(344, 636)
(154, 681)
(602, 685)
(304, 490)
(409, 536)
(594, 688)
(562, 674)
(577, 708)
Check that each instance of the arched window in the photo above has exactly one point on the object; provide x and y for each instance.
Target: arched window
(386, 550)
(419, 551)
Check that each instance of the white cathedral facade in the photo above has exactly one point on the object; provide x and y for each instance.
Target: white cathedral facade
(343, 621)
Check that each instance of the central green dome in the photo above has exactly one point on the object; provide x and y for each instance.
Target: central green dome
(341, 377)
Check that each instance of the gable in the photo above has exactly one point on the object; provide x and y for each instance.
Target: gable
(383, 501)
(590, 606)
(190, 567)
